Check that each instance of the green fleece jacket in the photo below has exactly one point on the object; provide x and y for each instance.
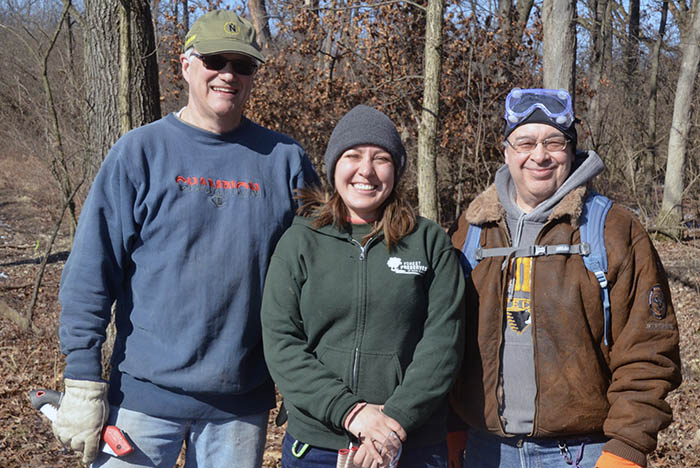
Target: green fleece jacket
(343, 323)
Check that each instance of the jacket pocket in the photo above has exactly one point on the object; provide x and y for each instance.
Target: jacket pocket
(372, 376)
(378, 376)
(338, 361)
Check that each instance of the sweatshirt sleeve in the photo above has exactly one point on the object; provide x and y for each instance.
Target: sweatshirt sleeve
(95, 270)
(306, 175)
(299, 375)
(644, 356)
(438, 355)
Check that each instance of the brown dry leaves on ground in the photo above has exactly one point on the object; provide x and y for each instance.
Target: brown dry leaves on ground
(32, 360)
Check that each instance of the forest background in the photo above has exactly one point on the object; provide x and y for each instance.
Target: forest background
(78, 74)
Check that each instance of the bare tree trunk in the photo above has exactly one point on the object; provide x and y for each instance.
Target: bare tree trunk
(185, 18)
(512, 22)
(145, 89)
(523, 9)
(504, 7)
(311, 4)
(71, 41)
(258, 12)
(503, 11)
(427, 168)
(601, 44)
(155, 8)
(559, 44)
(101, 75)
(649, 167)
(125, 123)
(671, 208)
(632, 46)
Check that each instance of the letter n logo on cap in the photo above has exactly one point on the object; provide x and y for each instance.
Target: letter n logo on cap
(232, 28)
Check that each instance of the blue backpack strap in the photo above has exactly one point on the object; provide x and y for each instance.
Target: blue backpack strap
(471, 243)
(595, 210)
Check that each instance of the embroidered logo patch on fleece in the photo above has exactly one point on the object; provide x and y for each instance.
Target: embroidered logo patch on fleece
(401, 267)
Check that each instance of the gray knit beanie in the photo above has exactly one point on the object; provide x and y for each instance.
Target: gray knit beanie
(364, 125)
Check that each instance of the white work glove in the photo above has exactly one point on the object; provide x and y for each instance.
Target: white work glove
(81, 416)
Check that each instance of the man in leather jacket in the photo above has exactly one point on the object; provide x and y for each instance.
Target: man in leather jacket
(542, 383)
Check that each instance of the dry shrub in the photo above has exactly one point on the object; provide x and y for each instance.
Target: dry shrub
(26, 175)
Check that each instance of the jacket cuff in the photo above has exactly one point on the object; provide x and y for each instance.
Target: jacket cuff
(407, 423)
(341, 408)
(625, 451)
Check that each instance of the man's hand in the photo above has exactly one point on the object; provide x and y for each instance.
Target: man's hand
(82, 414)
(608, 460)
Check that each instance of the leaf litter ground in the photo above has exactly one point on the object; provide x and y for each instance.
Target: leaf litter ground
(30, 360)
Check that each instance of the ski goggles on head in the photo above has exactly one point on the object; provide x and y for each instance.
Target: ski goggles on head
(555, 103)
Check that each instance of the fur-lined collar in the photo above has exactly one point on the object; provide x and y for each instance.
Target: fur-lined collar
(488, 208)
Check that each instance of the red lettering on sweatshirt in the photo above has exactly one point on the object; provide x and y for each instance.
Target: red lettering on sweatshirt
(218, 183)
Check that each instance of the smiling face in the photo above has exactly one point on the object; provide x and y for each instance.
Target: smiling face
(216, 98)
(364, 179)
(539, 174)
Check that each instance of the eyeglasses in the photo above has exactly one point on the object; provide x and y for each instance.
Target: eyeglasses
(555, 103)
(218, 62)
(551, 145)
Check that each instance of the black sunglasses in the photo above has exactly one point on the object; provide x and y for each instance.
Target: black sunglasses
(218, 62)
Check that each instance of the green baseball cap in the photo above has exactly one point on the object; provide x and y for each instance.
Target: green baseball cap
(223, 31)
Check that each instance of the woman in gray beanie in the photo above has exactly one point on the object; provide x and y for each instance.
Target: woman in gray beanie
(362, 312)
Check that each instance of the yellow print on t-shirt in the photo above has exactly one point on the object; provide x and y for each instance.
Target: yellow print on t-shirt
(518, 305)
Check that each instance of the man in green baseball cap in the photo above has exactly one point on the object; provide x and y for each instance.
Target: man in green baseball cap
(178, 229)
(221, 56)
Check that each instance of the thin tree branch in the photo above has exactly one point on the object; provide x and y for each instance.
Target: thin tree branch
(372, 5)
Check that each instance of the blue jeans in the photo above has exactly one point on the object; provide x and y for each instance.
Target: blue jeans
(486, 450)
(211, 443)
(431, 456)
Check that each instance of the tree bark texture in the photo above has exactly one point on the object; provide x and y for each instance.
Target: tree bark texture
(649, 164)
(512, 22)
(504, 12)
(101, 75)
(671, 207)
(124, 66)
(559, 44)
(523, 8)
(145, 89)
(185, 18)
(601, 43)
(258, 13)
(632, 46)
(427, 168)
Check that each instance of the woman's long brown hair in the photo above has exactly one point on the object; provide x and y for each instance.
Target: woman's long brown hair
(396, 221)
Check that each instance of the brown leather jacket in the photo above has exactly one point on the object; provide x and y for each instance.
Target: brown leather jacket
(583, 386)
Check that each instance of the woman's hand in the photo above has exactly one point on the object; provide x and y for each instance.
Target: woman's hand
(372, 427)
(389, 451)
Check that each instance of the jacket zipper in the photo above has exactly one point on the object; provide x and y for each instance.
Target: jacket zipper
(354, 368)
(504, 290)
(356, 354)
